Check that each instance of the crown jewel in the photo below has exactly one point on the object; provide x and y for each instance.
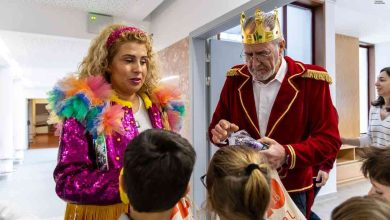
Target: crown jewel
(257, 32)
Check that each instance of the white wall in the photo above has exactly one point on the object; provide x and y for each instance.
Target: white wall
(330, 65)
(174, 20)
(6, 128)
(382, 56)
(20, 134)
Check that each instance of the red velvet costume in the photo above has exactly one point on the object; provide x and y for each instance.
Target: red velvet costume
(303, 119)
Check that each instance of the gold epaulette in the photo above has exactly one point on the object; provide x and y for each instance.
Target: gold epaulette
(232, 72)
(318, 75)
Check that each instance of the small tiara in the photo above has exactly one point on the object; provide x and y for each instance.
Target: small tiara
(116, 33)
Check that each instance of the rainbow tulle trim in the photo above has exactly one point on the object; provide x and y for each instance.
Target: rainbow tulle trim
(88, 101)
(168, 97)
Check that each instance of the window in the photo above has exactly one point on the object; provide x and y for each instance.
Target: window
(299, 43)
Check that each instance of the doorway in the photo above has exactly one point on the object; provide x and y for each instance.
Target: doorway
(201, 102)
(40, 133)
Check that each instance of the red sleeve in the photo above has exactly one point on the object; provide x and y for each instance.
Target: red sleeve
(324, 141)
(221, 111)
(327, 165)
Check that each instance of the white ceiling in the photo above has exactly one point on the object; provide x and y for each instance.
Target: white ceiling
(363, 19)
(42, 59)
(131, 9)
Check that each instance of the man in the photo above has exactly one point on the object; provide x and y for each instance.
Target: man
(156, 172)
(282, 102)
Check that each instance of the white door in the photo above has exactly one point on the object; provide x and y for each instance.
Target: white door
(223, 56)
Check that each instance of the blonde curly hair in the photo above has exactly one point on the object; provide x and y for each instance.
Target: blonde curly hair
(100, 56)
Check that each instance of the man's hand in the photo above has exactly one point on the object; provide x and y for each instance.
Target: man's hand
(322, 178)
(276, 154)
(222, 130)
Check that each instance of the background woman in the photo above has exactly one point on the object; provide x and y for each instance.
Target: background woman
(378, 132)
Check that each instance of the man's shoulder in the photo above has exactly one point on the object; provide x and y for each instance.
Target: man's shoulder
(316, 72)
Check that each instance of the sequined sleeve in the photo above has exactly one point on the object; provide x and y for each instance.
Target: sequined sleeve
(77, 178)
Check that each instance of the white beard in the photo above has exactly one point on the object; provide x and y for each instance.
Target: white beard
(262, 77)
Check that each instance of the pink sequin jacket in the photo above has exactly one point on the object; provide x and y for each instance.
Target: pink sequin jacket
(80, 176)
(77, 177)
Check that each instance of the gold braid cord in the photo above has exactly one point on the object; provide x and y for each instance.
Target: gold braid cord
(232, 72)
(318, 75)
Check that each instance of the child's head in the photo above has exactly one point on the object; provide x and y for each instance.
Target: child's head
(238, 183)
(362, 208)
(376, 166)
(157, 169)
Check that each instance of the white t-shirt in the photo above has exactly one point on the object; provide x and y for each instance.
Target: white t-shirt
(142, 117)
(378, 132)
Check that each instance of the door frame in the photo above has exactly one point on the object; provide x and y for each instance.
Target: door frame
(197, 54)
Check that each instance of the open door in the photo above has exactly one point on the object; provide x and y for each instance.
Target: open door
(223, 55)
(41, 134)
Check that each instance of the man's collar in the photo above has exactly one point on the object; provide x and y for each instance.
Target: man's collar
(282, 71)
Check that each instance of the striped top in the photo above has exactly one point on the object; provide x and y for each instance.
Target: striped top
(378, 132)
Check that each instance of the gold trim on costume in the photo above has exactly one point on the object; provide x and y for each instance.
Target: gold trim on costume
(122, 193)
(301, 189)
(292, 101)
(147, 101)
(239, 70)
(122, 102)
(318, 75)
(242, 103)
(94, 212)
(232, 72)
(293, 157)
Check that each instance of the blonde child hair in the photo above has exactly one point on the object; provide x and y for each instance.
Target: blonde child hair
(362, 208)
(238, 183)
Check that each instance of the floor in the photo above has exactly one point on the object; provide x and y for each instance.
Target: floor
(44, 141)
(29, 191)
(324, 205)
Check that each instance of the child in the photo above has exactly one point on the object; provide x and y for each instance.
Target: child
(362, 208)
(238, 184)
(376, 166)
(156, 172)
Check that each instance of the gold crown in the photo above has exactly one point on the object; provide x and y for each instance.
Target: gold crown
(258, 33)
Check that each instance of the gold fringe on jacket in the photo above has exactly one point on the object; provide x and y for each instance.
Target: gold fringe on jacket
(318, 75)
(94, 212)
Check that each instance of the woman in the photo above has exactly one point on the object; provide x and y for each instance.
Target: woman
(100, 111)
(379, 123)
(238, 184)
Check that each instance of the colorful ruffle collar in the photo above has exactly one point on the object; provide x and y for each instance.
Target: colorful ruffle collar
(89, 102)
